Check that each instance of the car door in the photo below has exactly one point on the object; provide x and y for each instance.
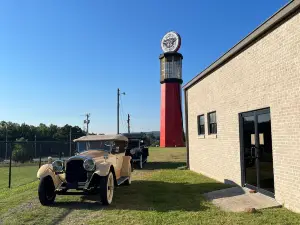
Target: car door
(119, 153)
(119, 164)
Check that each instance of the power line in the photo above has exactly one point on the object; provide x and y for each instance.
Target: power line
(122, 114)
(122, 110)
(121, 119)
(118, 109)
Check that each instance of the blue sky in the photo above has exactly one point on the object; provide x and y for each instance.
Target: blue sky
(61, 59)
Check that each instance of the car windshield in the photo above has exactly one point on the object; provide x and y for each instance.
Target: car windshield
(94, 145)
(133, 144)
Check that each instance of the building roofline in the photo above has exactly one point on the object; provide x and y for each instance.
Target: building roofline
(256, 34)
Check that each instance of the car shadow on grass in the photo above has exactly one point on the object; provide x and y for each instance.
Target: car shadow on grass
(145, 195)
(151, 195)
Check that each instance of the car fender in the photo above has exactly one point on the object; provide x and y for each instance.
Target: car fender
(126, 166)
(103, 169)
(47, 170)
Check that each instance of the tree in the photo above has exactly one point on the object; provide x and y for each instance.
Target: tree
(20, 151)
(42, 132)
(149, 139)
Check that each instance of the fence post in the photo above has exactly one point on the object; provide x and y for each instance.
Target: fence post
(9, 173)
(40, 163)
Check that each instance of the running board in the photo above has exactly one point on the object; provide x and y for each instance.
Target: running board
(121, 180)
(73, 193)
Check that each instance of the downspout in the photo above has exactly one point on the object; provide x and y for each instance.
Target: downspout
(180, 103)
(186, 128)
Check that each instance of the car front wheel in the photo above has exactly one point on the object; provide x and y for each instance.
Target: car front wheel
(46, 191)
(107, 189)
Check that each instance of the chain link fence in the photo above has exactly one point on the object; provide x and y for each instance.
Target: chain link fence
(20, 161)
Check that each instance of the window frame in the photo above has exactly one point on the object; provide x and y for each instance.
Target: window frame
(210, 129)
(199, 125)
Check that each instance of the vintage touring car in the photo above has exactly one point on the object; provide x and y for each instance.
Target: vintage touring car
(137, 148)
(99, 165)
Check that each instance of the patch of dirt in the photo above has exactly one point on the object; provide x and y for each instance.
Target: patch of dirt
(141, 174)
(26, 206)
(77, 216)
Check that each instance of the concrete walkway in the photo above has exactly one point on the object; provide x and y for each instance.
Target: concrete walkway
(239, 199)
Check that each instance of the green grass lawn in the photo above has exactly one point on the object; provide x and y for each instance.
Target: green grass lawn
(20, 175)
(159, 194)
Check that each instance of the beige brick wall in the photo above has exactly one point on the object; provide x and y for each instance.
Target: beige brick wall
(265, 75)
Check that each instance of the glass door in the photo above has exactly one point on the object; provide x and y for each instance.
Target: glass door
(250, 169)
(265, 156)
(256, 149)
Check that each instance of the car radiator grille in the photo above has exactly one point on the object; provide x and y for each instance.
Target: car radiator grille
(75, 171)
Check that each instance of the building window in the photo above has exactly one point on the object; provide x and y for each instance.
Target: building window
(212, 123)
(201, 128)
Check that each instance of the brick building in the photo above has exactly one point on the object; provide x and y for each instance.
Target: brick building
(243, 111)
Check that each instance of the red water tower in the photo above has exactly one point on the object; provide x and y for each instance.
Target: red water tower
(171, 126)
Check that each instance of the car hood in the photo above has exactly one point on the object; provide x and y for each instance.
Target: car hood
(98, 156)
(93, 154)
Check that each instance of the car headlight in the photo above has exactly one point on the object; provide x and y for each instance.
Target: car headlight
(89, 164)
(58, 165)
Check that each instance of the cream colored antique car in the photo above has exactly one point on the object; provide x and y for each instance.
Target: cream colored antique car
(99, 165)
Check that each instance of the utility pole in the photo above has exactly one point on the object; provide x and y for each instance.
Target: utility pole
(35, 145)
(118, 110)
(87, 121)
(70, 140)
(128, 123)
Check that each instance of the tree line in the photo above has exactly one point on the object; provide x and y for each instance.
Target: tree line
(56, 140)
(23, 136)
(42, 132)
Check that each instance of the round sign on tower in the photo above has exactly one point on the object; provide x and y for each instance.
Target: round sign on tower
(171, 42)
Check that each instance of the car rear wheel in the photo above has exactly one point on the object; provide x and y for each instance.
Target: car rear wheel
(141, 162)
(46, 191)
(107, 189)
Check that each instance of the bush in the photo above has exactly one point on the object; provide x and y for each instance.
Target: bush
(20, 153)
(155, 144)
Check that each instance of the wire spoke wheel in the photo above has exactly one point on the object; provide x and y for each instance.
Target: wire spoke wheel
(141, 162)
